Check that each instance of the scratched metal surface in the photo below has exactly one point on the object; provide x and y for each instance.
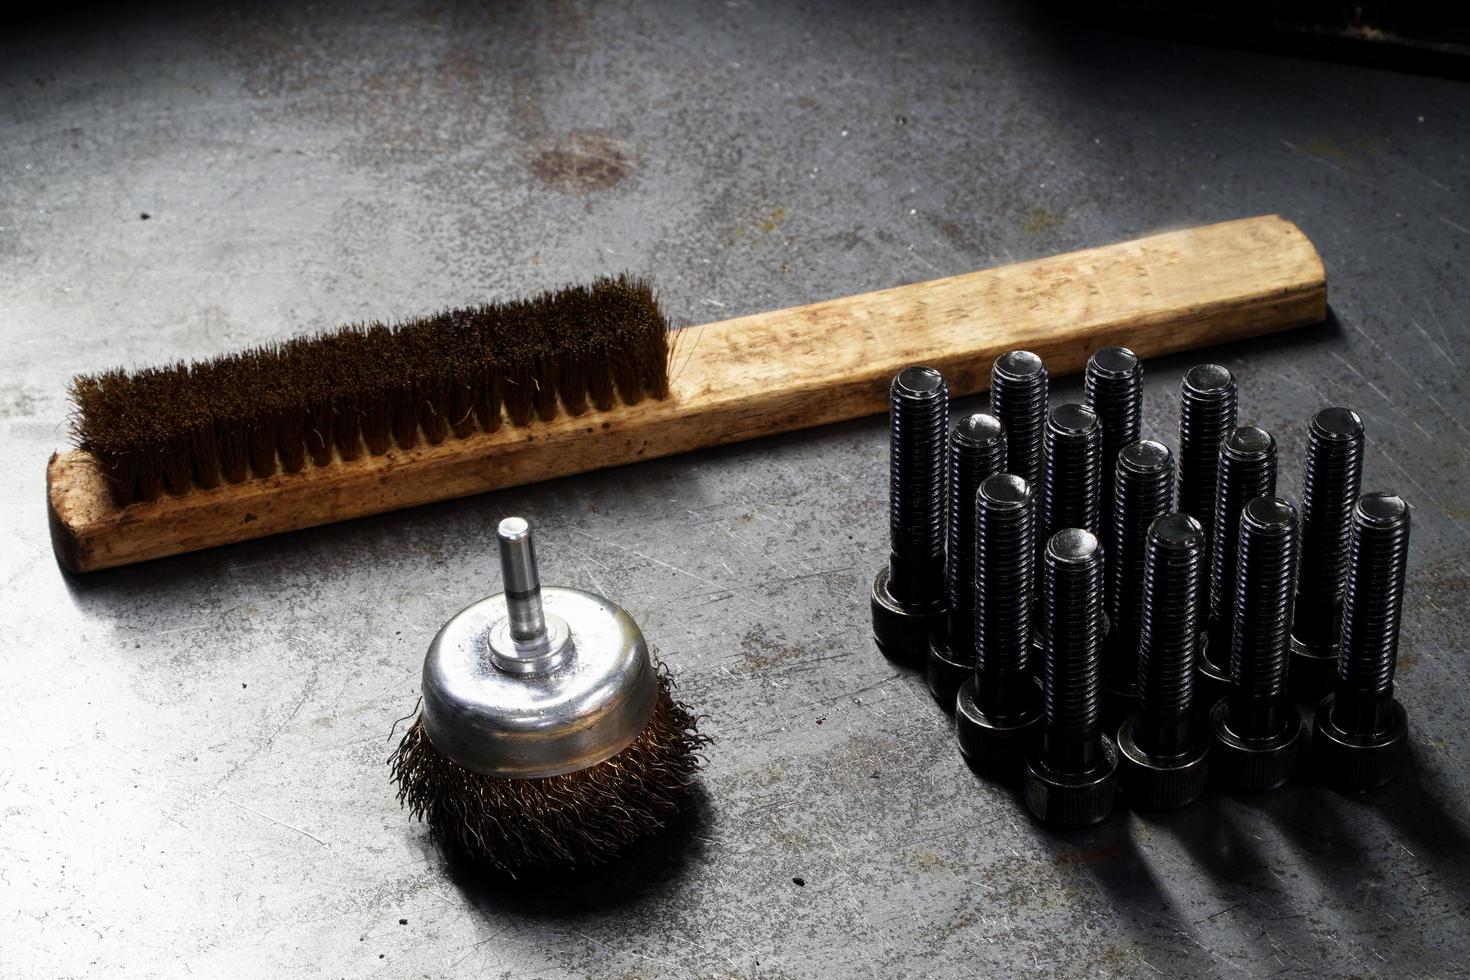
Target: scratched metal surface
(192, 772)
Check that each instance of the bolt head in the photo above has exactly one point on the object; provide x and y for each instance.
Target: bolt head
(901, 629)
(1071, 799)
(1355, 763)
(1157, 782)
(995, 746)
(1254, 765)
(947, 669)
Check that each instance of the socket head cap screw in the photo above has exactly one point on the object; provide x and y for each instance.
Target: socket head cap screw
(908, 600)
(1156, 782)
(977, 443)
(995, 745)
(1072, 799)
(902, 630)
(1334, 467)
(1355, 763)
(1361, 730)
(1254, 765)
(1083, 791)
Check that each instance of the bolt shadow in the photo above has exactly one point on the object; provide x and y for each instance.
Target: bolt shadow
(1416, 808)
(1109, 855)
(1422, 810)
(654, 866)
(1345, 844)
(1341, 848)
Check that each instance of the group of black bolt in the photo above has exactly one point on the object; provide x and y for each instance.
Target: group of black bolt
(1173, 612)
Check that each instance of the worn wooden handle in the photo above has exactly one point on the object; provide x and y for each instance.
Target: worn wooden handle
(762, 374)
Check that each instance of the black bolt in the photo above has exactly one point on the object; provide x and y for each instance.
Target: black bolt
(999, 706)
(977, 448)
(1246, 470)
(1071, 492)
(1207, 407)
(1257, 729)
(1070, 777)
(1362, 732)
(1163, 750)
(1143, 491)
(1334, 472)
(908, 594)
(1113, 388)
(1018, 397)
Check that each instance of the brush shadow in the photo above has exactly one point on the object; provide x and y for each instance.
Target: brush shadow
(652, 866)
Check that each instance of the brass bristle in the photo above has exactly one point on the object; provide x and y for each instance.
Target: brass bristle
(570, 820)
(365, 388)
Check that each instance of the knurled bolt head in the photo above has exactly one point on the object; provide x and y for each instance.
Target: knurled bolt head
(1358, 762)
(1254, 765)
(1067, 799)
(902, 629)
(1161, 782)
(995, 745)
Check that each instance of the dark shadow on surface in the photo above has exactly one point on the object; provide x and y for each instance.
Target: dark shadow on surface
(1418, 806)
(1401, 37)
(654, 865)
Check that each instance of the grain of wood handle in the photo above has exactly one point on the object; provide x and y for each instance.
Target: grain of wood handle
(759, 375)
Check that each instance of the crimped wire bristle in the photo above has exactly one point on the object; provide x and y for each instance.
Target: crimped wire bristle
(571, 820)
(366, 388)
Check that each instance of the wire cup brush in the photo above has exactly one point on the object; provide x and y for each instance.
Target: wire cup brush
(371, 418)
(548, 737)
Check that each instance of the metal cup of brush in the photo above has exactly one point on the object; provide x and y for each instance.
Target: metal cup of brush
(548, 735)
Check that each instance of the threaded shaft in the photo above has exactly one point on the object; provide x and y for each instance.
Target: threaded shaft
(1113, 388)
(1072, 675)
(1373, 605)
(1073, 484)
(1173, 576)
(1207, 410)
(1333, 475)
(1247, 470)
(1261, 638)
(1143, 491)
(1018, 397)
(918, 414)
(977, 448)
(1005, 531)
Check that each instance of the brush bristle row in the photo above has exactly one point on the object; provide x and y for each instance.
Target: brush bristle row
(366, 388)
(571, 820)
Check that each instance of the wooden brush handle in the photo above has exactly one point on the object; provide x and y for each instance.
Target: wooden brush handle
(762, 374)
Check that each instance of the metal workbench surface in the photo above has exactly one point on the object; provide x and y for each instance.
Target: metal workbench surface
(192, 773)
